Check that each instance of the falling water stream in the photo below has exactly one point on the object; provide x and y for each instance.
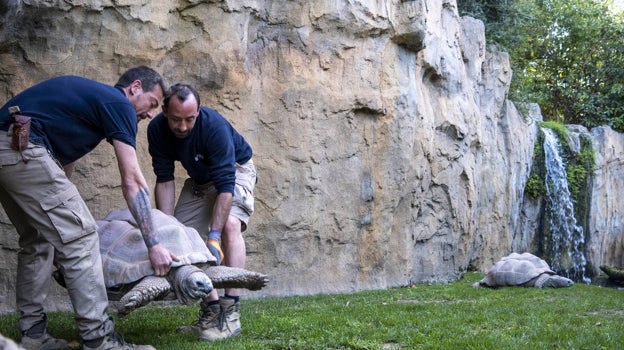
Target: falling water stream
(564, 242)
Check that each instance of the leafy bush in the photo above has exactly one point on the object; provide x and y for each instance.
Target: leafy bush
(535, 186)
(567, 56)
(576, 174)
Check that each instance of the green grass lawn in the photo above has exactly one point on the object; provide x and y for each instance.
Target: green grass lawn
(451, 316)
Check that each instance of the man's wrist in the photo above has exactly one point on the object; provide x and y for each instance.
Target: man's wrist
(150, 242)
(214, 235)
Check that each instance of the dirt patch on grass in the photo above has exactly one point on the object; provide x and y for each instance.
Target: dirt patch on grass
(608, 312)
(438, 301)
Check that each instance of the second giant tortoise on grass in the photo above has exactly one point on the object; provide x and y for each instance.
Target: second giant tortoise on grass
(129, 276)
(525, 270)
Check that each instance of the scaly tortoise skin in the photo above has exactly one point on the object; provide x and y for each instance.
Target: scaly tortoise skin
(526, 270)
(128, 272)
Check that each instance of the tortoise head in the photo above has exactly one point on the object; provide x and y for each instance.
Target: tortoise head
(556, 281)
(190, 283)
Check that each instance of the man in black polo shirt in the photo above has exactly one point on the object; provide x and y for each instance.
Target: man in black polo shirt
(68, 117)
(217, 198)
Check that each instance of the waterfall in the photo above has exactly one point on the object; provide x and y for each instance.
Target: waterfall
(564, 240)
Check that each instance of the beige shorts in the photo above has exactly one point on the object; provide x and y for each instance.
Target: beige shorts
(195, 204)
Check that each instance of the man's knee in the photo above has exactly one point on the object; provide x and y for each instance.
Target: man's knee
(232, 230)
(232, 226)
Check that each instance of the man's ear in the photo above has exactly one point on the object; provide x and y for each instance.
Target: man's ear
(136, 87)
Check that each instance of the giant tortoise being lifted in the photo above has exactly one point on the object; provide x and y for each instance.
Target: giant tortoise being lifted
(525, 270)
(129, 276)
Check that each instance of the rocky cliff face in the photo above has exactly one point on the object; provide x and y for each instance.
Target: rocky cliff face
(606, 218)
(387, 151)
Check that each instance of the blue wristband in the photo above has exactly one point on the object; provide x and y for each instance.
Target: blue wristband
(214, 235)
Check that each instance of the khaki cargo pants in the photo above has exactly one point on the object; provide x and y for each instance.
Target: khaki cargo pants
(52, 220)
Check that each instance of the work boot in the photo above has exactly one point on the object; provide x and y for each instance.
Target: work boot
(115, 342)
(230, 308)
(38, 338)
(43, 342)
(8, 344)
(211, 324)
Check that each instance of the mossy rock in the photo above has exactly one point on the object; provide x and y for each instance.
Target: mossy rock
(615, 274)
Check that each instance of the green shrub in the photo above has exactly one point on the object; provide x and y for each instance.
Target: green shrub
(576, 174)
(535, 186)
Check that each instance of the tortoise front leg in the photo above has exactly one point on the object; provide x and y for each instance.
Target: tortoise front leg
(148, 289)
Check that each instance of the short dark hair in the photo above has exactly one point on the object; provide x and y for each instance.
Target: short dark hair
(182, 92)
(149, 78)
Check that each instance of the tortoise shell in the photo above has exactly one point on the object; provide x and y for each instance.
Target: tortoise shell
(124, 254)
(516, 270)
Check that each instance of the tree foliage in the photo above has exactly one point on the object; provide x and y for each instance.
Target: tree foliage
(566, 55)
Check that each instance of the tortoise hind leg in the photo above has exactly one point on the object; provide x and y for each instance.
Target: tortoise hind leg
(234, 277)
(148, 289)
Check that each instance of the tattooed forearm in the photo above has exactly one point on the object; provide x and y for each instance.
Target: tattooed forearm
(142, 211)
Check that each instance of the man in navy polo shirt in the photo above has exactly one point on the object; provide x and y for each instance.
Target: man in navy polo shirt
(216, 199)
(69, 116)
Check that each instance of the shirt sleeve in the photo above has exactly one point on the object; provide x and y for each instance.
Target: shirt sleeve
(220, 152)
(120, 123)
(223, 170)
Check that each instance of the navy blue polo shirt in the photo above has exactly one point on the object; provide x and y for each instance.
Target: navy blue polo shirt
(71, 115)
(209, 153)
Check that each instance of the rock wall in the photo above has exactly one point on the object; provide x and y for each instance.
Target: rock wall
(387, 151)
(606, 216)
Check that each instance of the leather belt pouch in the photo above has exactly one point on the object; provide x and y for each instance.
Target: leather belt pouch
(21, 132)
